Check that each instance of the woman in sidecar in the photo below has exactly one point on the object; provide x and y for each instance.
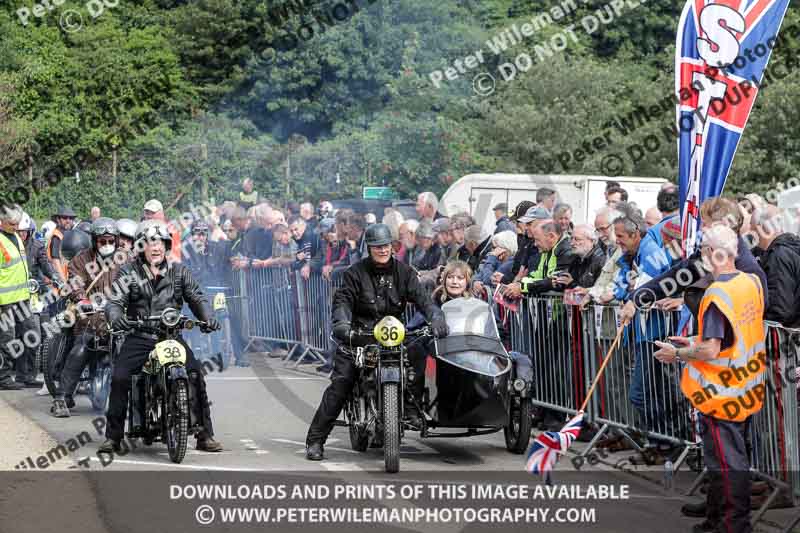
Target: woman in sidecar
(473, 383)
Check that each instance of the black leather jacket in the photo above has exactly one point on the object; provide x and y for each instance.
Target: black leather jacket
(369, 293)
(138, 294)
(39, 266)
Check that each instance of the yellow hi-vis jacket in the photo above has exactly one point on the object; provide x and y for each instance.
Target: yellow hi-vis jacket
(731, 387)
(13, 271)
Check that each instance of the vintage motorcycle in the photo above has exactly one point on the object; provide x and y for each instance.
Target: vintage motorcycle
(477, 386)
(96, 378)
(159, 397)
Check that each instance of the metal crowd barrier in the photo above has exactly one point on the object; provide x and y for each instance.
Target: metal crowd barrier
(567, 346)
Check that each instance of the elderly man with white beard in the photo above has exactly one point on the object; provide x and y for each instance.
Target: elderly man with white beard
(585, 270)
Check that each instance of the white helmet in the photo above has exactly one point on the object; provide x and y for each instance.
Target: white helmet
(48, 227)
(154, 229)
(127, 228)
(25, 223)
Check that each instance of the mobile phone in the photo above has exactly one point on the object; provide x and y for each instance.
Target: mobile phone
(665, 341)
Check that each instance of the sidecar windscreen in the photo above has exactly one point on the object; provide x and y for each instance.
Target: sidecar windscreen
(470, 316)
(476, 353)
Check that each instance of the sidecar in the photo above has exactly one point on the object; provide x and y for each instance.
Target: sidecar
(477, 385)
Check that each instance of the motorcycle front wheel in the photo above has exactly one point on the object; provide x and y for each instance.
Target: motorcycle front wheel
(177, 415)
(391, 427)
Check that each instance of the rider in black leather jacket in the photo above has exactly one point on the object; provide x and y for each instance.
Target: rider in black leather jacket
(144, 288)
(373, 288)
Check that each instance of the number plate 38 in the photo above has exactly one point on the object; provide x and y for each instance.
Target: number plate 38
(170, 352)
(389, 332)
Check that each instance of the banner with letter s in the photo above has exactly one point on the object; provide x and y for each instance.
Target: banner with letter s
(723, 47)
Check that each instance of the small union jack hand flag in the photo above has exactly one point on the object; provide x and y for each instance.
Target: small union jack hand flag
(549, 446)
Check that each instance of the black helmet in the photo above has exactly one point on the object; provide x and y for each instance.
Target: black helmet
(74, 242)
(84, 226)
(127, 228)
(104, 226)
(378, 235)
(200, 226)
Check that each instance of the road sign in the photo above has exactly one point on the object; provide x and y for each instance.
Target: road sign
(378, 193)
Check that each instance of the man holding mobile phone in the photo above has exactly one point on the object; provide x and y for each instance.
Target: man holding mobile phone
(724, 377)
(556, 258)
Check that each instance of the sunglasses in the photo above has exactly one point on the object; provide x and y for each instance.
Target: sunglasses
(106, 242)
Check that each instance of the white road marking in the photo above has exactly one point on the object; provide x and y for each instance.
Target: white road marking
(340, 467)
(190, 467)
(255, 378)
(303, 444)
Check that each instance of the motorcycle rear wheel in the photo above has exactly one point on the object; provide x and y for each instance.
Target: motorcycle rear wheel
(359, 438)
(518, 430)
(177, 420)
(100, 389)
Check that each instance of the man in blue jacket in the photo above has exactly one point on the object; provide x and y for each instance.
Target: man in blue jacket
(642, 260)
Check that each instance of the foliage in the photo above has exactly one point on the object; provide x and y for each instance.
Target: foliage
(181, 100)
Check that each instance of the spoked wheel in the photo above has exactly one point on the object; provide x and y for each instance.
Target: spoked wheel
(177, 420)
(518, 429)
(100, 388)
(56, 356)
(391, 427)
(355, 412)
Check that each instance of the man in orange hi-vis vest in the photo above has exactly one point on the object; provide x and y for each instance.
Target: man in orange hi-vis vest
(724, 378)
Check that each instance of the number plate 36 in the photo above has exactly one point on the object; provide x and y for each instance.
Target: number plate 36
(170, 352)
(389, 332)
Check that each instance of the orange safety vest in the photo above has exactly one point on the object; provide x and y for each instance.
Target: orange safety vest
(731, 387)
(63, 270)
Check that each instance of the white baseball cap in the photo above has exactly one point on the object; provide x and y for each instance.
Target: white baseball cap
(154, 206)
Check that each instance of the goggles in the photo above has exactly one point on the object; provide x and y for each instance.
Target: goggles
(105, 229)
(155, 233)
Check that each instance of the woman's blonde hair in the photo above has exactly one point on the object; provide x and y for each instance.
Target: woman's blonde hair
(440, 293)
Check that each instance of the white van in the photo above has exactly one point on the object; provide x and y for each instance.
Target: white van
(478, 193)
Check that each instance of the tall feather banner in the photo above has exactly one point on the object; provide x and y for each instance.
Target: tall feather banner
(723, 47)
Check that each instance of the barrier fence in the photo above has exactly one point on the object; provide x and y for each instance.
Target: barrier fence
(638, 398)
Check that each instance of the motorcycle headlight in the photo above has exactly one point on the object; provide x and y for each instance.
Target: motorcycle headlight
(170, 317)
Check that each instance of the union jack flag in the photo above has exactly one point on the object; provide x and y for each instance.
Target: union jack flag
(723, 47)
(549, 446)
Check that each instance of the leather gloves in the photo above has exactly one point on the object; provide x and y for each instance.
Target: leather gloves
(123, 323)
(439, 328)
(212, 324)
(341, 331)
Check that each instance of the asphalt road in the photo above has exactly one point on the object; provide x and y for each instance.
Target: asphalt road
(261, 415)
